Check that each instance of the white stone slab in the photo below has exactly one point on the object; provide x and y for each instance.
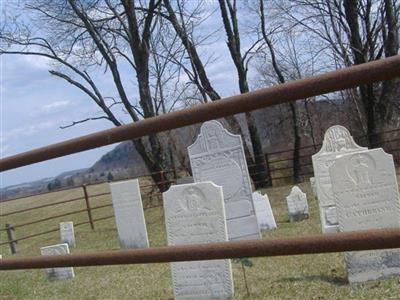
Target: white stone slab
(194, 213)
(265, 217)
(297, 205)
(129, 217)
(337, 141)
(67, 234)
(367, 197)
(217, 155)
(57, 273)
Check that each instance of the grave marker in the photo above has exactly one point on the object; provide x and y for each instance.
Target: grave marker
(128, 211)
(57, 273)
(297, 205)
(217, 155)
(337, 141)
(194, 213)
(67, 234)
(367, 197)
(265, 217)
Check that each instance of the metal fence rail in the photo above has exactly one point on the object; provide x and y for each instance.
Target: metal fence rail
(327, 243)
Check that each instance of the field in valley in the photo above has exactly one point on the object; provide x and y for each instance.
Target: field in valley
(321, 276)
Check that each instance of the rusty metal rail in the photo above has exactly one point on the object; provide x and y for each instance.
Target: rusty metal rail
(336, 242)
(375, 71)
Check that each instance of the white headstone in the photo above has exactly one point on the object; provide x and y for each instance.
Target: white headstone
(265, 217)
(297, 205)
(128, 211)
(194, 214)
(218, 156)
(67, 234)
(57, 273)
(337, 141)
(367, 197)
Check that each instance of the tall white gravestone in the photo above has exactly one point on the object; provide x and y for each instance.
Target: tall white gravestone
(67, 234)
(194, 213)
(57, 273)
(337, 141)
(217, 155)
(128, 211)
(297, 205)
(367, 197)
(265, 217)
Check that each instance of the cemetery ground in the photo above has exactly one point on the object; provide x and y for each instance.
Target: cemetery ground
(320, 276)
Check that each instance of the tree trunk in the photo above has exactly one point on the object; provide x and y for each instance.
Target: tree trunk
(296, 143)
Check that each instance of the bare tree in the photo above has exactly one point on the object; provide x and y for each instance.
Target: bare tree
(356, 32)
(199, 77)
(82, 36)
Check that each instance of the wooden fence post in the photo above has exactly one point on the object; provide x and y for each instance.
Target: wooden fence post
(89, 211)
(268, 170)
(162, 179)
(11, 238)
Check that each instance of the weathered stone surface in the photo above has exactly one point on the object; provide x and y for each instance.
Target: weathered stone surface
(128, 211)
(194, 213)
(184, 180)
(217, 156)
(297, 205)
(57, 273)
(367, 197)
(67, 234)
(337, 141)
(265, 216)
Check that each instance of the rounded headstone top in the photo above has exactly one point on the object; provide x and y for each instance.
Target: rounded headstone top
(337, 138)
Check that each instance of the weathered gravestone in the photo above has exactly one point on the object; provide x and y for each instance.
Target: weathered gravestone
(194, 213)
(129, 217)
(337, 141)
(57, 273)
(218, 156)
(367, 197)
(67, 234)
(297, 205)
(265, 217)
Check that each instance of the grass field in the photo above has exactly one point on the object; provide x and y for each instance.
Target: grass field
(321, 276)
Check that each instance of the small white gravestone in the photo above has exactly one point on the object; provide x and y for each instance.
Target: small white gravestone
(67, 234)
(297, 205)
(57, 273)
(337, 141)
(265, 217)
(367, 197)
(128, 211)
(313, 187)
(194, 214)
(217, 155)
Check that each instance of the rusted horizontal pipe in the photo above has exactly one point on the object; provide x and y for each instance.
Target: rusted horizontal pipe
(375, 71)
(350, 241)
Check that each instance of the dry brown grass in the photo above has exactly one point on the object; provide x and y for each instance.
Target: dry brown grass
(321, 276)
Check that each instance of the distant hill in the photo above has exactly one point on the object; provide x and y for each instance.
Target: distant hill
(124, 161)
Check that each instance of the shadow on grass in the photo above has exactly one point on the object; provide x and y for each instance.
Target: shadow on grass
(335, 280)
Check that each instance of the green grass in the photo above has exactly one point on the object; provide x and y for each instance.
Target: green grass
(321, 276)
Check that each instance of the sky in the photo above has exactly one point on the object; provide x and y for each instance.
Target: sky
(35, 104)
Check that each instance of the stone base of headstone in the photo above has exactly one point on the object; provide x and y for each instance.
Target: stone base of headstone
(372, 265)
(57, 273)
(298, 217)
